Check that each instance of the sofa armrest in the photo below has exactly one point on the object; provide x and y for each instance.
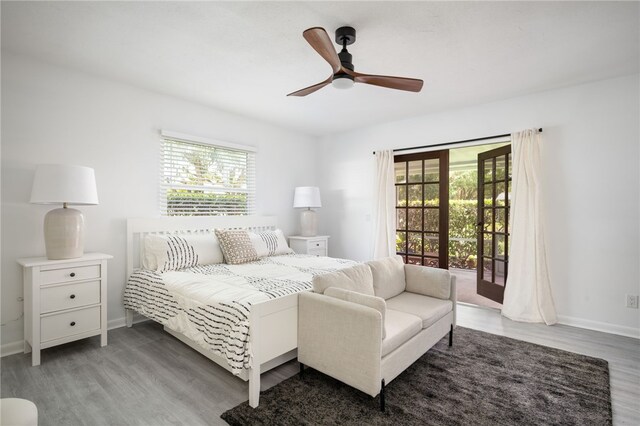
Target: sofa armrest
(341, 339)
(428, 281)
(377, 303)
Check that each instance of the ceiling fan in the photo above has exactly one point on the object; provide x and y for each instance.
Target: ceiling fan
(343, 76)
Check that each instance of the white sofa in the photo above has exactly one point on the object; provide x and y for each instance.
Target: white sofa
(366, 324)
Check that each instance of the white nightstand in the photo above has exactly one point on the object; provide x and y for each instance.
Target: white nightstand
(64, 300)
(317, 246)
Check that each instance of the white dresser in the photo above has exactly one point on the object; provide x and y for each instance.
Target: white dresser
(316, 246)
(64, 300)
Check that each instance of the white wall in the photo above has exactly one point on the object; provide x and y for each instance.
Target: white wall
(591, 156)
(55, 115)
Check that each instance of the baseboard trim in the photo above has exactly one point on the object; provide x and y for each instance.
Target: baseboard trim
(17, 347)
(12, 348)
(121, 322)
(599, 326)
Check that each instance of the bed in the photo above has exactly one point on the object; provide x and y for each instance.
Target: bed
(242, 317)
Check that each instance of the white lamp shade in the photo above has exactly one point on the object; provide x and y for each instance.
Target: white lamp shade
(57, 184)
(306, 197)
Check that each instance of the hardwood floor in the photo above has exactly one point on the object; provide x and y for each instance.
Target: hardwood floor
(146, 377)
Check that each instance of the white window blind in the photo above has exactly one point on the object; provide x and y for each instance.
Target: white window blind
(201, 179)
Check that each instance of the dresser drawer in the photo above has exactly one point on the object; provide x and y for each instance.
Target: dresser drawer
(69, 274)
(316, 244)
(317, 252)
(68, 296)
(65, 324)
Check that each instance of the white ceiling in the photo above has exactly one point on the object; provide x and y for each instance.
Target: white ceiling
(244, 57)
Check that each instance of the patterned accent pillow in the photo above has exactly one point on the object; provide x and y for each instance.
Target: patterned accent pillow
(171, 252)
(236, 246)
(270, 243)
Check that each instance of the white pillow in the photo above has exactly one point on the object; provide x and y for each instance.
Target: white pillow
(170, 252)
(270, 243)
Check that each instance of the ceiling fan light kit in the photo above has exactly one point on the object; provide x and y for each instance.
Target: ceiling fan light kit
(342, 82)
(344, 75)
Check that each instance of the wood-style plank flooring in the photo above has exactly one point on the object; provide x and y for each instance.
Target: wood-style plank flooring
(146, 377)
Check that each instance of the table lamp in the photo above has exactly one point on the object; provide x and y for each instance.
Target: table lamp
(64, 227)
(307, 197)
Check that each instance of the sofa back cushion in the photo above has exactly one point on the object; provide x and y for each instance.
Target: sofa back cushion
(356, 278)
(388, 276)
(428, 281)
(374, 302)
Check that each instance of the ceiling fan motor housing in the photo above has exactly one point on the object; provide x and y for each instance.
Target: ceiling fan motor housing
(344, 37)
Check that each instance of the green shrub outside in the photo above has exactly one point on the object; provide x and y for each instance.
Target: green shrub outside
(181, 202)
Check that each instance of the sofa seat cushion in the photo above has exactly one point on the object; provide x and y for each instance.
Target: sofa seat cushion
(399, 327)
(428, 309)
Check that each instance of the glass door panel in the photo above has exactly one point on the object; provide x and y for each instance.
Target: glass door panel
(494, 180)
(422, 207)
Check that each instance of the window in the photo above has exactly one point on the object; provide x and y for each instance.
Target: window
(204, 178)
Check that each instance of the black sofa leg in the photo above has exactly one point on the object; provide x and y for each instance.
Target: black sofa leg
(301, 370)
(451, 336)
(382, 397)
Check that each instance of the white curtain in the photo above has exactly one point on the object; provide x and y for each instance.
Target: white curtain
(527, 295)
(385, 206)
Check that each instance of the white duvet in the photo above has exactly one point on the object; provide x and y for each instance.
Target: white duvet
(210, 304)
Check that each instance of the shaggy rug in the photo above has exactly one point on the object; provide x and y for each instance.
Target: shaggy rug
(483, 379)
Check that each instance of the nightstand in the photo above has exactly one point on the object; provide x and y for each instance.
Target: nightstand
(64, 300)
(317, 246)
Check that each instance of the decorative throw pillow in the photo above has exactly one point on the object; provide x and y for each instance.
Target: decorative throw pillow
(236, 246)
(270, 243)
(171, 252)
(356, 278)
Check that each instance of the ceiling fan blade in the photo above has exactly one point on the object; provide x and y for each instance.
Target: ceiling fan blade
(318, 38)
(390, 82)
(308, 90)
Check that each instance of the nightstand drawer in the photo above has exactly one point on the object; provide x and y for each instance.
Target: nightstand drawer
(316, 244)
(318, 252)
(66, 324)
(69, 296)
(70, 274)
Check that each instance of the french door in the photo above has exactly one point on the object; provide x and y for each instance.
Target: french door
(422, 208)
(494, 186)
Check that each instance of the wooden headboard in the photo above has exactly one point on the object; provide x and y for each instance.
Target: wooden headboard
(137, 228)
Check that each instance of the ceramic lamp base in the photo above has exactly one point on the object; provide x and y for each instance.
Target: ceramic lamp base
(64, 234)
(308, 223)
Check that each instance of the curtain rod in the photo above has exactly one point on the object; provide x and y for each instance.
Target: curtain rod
(454, 143)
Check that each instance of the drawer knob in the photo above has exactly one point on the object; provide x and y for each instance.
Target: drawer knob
(72, 323)
(73, 274)
(73, 296)
(317, 244)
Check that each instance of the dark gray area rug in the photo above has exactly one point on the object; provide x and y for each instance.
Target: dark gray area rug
(483, 379)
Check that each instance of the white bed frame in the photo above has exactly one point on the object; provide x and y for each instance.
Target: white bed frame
(273, 324)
